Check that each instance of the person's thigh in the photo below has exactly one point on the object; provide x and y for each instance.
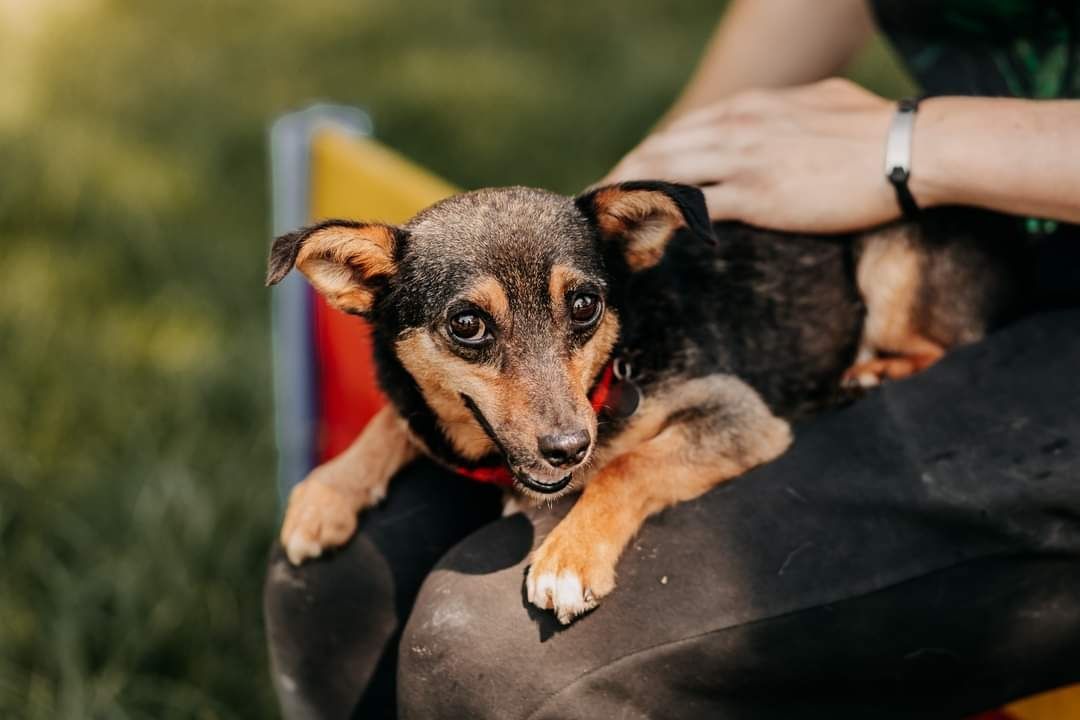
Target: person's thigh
(916, 555)
(333, 623)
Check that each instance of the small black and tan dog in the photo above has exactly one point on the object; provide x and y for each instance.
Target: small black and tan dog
(619, 344)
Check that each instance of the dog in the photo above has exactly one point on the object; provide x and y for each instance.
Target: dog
(619, 344)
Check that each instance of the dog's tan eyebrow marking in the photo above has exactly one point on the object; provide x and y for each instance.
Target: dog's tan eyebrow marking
(490, 295)
(562, 277)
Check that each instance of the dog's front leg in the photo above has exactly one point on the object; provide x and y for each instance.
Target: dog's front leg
(322, 509)
(720, 436)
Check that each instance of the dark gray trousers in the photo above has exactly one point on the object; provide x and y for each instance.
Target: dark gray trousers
(914, 555)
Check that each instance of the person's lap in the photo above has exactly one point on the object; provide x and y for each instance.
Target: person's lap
(333, 624)
(917, 552)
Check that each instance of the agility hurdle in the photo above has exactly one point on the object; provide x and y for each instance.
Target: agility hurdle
(325, 164)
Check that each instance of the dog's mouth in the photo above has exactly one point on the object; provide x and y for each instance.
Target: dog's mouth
(521, 477)
(542, 487)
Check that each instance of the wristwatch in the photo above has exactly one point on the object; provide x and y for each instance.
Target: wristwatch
(898, 154)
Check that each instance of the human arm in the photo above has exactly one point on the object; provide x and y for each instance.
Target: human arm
(1007, 154)
(810, 159)
(818, 39)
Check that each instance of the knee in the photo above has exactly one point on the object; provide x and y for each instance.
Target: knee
(457, 653)
(328, 623)
(449, 653)
(331, 586)
(434, 656)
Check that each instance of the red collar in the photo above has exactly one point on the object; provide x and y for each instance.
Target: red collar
(500, 474)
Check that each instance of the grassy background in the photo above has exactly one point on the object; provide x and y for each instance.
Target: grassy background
(136, 460)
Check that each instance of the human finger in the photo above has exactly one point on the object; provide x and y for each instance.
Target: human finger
(689, 167)
(725, 202)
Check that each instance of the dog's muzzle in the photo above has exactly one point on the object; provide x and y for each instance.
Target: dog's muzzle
(529, 482)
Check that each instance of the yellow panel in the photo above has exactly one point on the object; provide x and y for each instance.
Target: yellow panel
(1063, 704)
(358, 178)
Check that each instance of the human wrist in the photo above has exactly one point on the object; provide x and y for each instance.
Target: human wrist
(929, 181)
(962, 153)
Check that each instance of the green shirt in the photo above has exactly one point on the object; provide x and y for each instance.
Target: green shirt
(996, 48)
(1017, 48)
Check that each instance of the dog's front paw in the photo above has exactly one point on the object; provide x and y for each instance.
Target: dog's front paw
(319, 517)
(569, 575)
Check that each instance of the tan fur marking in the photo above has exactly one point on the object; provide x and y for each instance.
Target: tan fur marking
(562, 277)
(489, 294)
(585, 363)
(889, 276)
(658, 406)
(871, 372)
(431, 365)
(322, 509)
(339, 260)
(645, 218)
(508, 403)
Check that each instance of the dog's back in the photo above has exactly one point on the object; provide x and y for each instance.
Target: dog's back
(790, 314)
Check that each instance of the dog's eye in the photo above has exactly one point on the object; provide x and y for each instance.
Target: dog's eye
(585, 309)
(468, 328)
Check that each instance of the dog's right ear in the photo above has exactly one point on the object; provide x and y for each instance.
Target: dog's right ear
(345, 261)
(642, 216)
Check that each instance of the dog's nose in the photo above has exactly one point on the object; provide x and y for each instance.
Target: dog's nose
(562, 449)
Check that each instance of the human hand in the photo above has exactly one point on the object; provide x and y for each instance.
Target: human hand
(807, 159)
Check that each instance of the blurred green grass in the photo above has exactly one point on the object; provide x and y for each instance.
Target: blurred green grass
(136, 459)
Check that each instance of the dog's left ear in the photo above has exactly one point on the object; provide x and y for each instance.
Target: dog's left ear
(643, 216)
(347, 262)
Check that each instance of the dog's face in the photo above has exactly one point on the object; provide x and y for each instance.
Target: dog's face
(497, 304)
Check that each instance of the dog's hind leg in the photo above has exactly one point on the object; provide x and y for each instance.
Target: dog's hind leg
(871, 368)
(891, 271)
(705, 431)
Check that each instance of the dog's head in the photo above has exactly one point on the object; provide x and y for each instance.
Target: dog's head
(496, 303)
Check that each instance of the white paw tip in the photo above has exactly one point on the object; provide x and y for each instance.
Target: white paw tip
(868, 380)
(300, 548)
(543, 591)
(568, 589)
(571, 598)
(564, 594)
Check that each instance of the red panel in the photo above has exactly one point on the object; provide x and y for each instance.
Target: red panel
(348, 395)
